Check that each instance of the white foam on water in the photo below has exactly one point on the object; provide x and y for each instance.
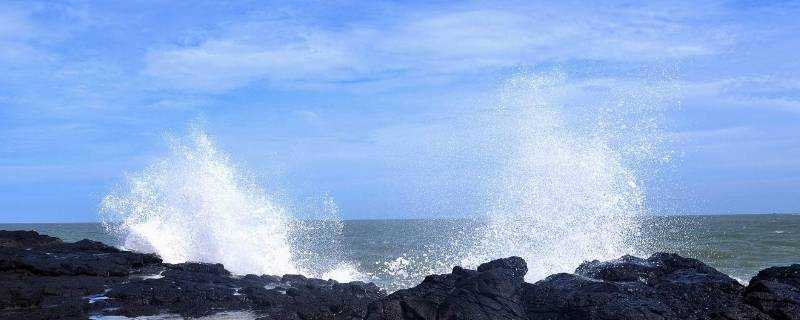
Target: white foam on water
(195, 205)
(344, 272)
(409, 269)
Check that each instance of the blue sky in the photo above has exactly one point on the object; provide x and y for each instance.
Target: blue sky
(358, 99)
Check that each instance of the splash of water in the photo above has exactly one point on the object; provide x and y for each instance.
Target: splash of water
(316, 239)
(194, 205)
(568, 189)
(564, 163)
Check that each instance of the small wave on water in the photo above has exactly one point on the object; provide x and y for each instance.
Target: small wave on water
(195, 205)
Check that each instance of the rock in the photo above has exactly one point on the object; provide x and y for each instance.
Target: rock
(664, 286)
(568, 296)
(44, 278)
(188, 289)
(25, 239)
(493, 291)
(776, 292)
(70, 259)
(47, 297)
(296, 297)
(47, 279)
(198, 289)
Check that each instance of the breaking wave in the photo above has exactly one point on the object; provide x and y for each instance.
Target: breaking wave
(195, 205)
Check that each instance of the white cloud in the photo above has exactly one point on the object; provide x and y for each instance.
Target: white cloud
(708, 134)
(229, 63)
(16, 32)
(761, 91)
(431, 46)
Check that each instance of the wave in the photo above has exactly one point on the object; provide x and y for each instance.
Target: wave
(195, 205)
(568, 184)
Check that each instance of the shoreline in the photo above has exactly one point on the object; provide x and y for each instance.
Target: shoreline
(46, 278)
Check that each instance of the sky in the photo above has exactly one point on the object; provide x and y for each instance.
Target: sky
(370, 102)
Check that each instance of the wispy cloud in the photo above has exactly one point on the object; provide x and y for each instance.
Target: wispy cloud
(423, 45)
(222, 64)
(17, 34)
(766, 90)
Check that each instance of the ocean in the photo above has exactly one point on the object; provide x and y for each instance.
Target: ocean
(399, 253)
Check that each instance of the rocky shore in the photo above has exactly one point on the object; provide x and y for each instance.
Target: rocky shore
(42, 277)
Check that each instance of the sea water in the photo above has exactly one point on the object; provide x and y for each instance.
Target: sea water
(392, 252)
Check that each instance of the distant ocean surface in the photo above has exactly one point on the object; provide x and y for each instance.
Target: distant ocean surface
(738, 245)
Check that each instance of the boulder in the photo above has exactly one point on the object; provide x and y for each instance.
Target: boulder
(25, 239)
(298, 297)
(664, 286)
(493, 291)
(776, 292)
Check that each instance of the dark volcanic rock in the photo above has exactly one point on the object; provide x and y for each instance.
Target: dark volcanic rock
(494, 291)
(84, 257)
(44, 278)
(568, 296)
(664, 286)
(190, 289)
(297, 297)
(776, 291)
(196, 289)
(25, 239)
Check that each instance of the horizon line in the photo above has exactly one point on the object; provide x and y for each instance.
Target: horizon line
(462, 218)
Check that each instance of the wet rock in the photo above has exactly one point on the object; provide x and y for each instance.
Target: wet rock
(46, 297)
(44, 278)
(569, 296)
(189, 289)
(493, 291)
(71, 259)
(297, 297)
(25, 239)
(776, 292)
(198, 289)
(664, 286)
